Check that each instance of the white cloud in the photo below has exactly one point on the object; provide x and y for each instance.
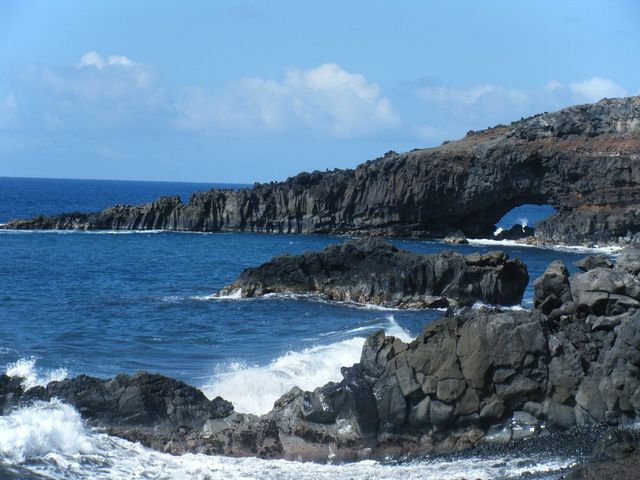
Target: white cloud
(456, 110)
(325, 99)
(596, 88)
(115, 92)
(120, 60)
(9, 112)
(91, 59)
(95, 60)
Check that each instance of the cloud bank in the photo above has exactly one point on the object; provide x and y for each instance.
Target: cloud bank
(326, 99)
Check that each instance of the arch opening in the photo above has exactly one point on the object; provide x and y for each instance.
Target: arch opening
(520, 221)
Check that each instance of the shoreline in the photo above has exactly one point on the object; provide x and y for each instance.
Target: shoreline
(609, 249)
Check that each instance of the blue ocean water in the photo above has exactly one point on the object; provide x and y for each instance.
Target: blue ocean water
(102, 303)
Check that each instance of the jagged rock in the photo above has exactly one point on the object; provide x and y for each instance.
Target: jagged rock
(456, 238)
(156, 410)
(629, 260)
(605, 291)
(516, 232)
(474, 376)
(581, 160)
(593, 261)
(373, 271)
(552, 289)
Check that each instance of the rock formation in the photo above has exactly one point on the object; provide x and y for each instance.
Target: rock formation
(582, 160)
(376, 272)
(476, 377)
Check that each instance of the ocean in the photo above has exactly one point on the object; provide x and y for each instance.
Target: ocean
(103, 303)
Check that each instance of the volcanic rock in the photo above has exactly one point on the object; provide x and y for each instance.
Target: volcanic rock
(373, 271)
(582, 160)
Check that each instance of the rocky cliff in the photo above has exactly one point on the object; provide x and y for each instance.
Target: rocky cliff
(375, 272)
(582, 160)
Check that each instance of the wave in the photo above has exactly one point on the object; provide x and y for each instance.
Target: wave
(236, 295)
(32, 377)
(254, 389)
(609, 249)
(41, 429)
(513, 308)
(50, 440)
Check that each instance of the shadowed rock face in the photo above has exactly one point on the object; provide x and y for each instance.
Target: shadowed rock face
(582, 160)
(374, 271)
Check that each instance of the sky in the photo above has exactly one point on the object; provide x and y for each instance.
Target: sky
(245, 91)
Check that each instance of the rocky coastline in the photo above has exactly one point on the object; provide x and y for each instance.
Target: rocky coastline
(477, 378)
(372, 271)
(582, 160)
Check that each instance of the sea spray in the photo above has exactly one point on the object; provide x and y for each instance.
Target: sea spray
(49, 440)
(254, 389)
(25, 368)
(41, 429)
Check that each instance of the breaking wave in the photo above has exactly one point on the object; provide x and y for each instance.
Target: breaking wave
(254, 389)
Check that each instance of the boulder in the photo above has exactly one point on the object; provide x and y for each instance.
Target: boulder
(593, 261)
(552, 289)
(456, 238)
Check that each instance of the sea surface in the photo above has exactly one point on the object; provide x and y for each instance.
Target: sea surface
(107, 302)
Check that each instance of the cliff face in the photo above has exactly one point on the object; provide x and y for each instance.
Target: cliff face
(583, 160)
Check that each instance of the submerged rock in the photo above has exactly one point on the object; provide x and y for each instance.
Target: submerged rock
(373, 271)
(581, 160)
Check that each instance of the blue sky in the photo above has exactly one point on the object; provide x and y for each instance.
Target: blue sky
(249, 91)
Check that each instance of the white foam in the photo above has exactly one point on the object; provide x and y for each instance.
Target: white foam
(609, 249)
(32, 377)
(49, 439)
(234, 295)
(254, 389)
(41, 429)
(481, 305)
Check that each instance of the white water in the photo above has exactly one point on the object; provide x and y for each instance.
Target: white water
(254, 389)
(50, 439)
(26, 369)
(609, 249)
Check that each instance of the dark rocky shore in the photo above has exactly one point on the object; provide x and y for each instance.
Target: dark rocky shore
(375, 272)
(478, 378)
(581, 160)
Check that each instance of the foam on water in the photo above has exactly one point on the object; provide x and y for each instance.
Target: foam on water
(609, 249)
(49, 439)
(26, 368)
(40, 429)
(254, 389)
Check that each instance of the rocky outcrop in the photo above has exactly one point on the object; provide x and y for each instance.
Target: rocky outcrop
(582, 160)
(376, 272)
(477, 377)
(161, 412)
(516, 232)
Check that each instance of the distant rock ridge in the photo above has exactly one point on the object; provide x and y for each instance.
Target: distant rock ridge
(373, 271)
(583, 160)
